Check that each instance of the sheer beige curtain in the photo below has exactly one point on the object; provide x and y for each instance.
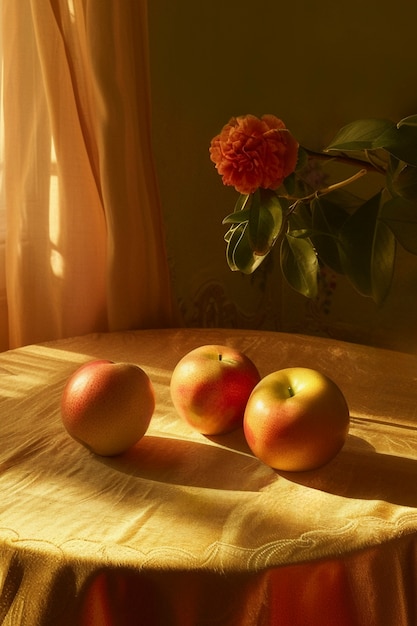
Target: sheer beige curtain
(84, 239)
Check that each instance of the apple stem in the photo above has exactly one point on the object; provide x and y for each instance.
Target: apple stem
(291, 392)
(220, 357)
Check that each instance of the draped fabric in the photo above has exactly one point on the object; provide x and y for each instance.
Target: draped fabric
(188, 530)
(85, 247)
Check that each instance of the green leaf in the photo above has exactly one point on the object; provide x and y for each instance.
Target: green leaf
(328, 219)
(302, 233)
(401, 217)
(393, 170)
(260, 225)
(256, 223)
(299, 265)
(239, 254)
(382, 262)
(356, 238)
(367, 251)
(265, 221)
(359, 135)
(400, 141)
(411, 120)
(405, 183)
(242, 201)
(237, 217)
(241, 210)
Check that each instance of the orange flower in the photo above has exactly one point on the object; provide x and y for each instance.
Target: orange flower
(252, 153)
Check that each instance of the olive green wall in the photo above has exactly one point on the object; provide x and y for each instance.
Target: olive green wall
(317, 65)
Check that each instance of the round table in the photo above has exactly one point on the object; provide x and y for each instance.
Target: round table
(189, 530)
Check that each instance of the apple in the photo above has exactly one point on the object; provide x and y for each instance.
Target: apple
(107, 406)
(296, 419)
(210, 386)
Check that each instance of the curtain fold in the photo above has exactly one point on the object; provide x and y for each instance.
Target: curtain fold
(85, 247)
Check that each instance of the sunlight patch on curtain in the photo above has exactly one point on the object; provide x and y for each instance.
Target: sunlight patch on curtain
(56, 257)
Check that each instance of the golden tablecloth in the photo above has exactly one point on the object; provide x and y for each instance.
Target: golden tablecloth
(187, 530)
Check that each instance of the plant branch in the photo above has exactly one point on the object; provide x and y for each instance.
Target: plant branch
(369, 164)
(330, 188)
(339, 185)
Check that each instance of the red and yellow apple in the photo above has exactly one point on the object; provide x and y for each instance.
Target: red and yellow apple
(107, 406)
(210, 386)
(296, 419)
